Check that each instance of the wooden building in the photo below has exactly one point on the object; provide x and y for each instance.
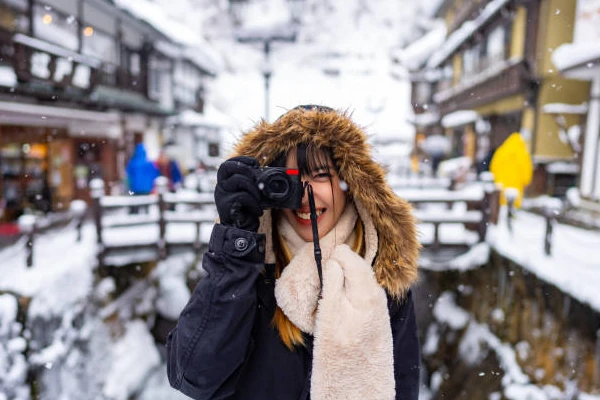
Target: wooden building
(580, 59)
(81, 82)
(496, 77)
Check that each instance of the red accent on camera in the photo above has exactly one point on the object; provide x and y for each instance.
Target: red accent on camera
(290, 171)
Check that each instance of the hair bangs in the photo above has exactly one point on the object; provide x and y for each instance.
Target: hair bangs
(312, 158)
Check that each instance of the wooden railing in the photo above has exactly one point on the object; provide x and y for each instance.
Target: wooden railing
(31, 226)
(114, 215)
(497, 81)
(480, 203)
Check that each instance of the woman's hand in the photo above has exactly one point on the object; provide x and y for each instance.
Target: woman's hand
(237, 195)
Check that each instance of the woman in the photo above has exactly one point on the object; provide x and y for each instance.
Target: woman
(261, 326)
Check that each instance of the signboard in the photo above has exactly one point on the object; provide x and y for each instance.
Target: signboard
(587, 21)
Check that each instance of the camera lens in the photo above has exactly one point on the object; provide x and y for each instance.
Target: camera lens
(277, 187)
(276, 184)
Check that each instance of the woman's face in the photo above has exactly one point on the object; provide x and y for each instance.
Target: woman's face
(330, 200)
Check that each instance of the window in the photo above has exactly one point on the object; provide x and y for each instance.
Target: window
(55, 27)
(99, 44)
(159, 80)
(213, 149)
(423, 92)
(134, 64)
(496, 45)
(471, 62)
(14, 18)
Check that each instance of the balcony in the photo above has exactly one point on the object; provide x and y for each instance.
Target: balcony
(467, 11)
(497, 81)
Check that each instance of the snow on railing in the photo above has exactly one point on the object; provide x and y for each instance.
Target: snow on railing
(31, 225)
(157, 211)
(474, 206)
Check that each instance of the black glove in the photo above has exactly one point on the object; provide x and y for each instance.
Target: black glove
(237, 195)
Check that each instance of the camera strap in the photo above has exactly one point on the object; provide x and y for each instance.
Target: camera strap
(315, 232)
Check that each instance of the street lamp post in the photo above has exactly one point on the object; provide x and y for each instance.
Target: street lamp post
(284, 33)
(267, 75)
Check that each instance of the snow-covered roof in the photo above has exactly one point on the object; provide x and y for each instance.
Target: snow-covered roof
(82, 122)
(424, 119)
(416, 54)
(210, 118)
(563, 108)
(466, 30)
(203, 54)
(582, 56)
(459, 118)
(561, 167)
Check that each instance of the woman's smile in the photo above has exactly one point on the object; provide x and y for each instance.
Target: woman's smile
(303, 216)
(329, 197)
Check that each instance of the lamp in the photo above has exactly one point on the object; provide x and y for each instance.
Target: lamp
(286, 33)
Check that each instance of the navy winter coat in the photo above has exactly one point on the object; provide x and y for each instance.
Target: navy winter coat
(225, 347)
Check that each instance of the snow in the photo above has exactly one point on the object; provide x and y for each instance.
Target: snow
(458, 118)
(340, 37)
(210, 118)
(195, 48)
(584, 51)
(61, 262)
(572, 55)
(8, 77)
(466, 30)
(561, 167)
(424, 119)
(573, 265)
(417, 53)
(562, 108)
(474, 345)
(137, 356)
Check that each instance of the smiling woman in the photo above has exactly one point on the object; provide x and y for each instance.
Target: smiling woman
(263, 324)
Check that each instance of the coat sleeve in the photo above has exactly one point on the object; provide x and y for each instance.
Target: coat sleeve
(207, 349)
(407, 353)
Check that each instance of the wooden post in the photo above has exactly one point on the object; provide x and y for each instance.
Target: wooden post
(96, 193)
(436, 235)
(27, 224)
(197, 243)
(511, 195)
(551, 210)
(485, 212)
(161, 183)
(78, 209)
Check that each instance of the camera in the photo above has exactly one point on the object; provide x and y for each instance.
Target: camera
(279, 187)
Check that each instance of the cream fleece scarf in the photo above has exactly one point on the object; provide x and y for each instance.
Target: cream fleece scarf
(353, 347)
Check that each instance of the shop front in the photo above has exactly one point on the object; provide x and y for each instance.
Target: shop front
(35, 169)
(48, 156)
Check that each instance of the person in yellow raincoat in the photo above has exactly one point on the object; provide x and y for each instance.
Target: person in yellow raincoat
(512, 166)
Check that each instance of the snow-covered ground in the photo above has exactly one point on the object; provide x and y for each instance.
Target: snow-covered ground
(60, 262)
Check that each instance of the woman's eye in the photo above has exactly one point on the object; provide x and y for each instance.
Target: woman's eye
(322, 175)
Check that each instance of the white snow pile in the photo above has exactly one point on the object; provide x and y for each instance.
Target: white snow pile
(13, 366)
(136, 356)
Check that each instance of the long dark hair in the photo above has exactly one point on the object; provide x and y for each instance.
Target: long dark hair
(310, 159)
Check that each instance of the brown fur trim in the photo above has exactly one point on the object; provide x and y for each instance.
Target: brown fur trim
(395, 265)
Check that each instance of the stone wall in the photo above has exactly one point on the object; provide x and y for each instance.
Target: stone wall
(555, 337)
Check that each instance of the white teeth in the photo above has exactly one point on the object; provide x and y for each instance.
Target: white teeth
(302, 215)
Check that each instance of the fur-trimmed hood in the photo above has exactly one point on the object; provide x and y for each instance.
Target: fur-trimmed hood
(395, 264)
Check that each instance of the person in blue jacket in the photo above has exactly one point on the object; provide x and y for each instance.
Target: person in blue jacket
(141, 172)
(261, 325)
